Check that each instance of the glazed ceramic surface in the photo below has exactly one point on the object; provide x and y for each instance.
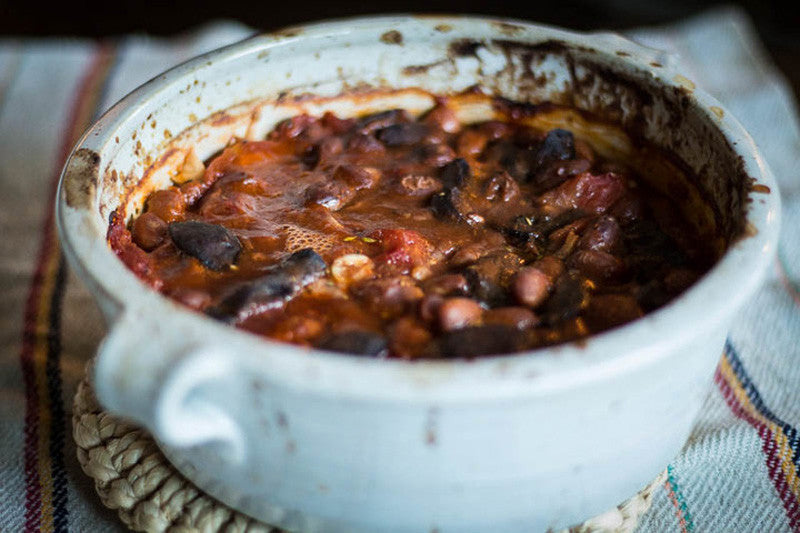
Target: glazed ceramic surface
(313, 441)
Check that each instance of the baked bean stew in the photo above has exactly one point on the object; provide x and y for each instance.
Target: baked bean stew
(393, 236)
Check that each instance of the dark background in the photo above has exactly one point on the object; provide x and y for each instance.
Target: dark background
(778, 28)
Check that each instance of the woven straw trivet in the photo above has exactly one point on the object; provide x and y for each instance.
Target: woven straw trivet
(132, 476)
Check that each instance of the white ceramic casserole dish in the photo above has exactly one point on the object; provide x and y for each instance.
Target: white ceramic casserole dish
(316, 441)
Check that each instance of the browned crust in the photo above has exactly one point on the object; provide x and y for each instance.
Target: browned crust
(80, 178)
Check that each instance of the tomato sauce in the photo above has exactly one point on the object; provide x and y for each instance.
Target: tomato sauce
(391, 236)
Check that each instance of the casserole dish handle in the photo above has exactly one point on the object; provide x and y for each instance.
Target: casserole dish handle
(159, 385)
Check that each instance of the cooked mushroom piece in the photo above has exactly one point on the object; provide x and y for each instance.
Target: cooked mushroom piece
(475, 341)
(558, 145)
(355, 342)
(448, 204)
(531, 231)
(381, 119)
(402, 134)
(568, 298)
(283, 281)
(455, 173)
(490, 276)
(215, 246)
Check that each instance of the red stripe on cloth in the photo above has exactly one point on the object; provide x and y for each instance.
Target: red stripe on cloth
(36, 304)
(52, 366)
(769, 448)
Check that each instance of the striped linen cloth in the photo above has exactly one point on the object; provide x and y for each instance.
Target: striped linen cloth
(738, 472)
